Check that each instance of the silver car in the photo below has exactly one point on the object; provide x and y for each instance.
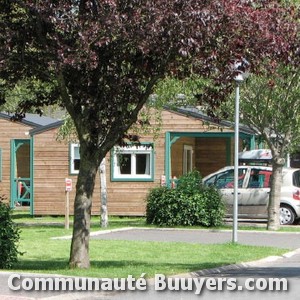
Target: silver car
(254, 190)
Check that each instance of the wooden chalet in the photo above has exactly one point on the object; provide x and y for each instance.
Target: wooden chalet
(34, 165)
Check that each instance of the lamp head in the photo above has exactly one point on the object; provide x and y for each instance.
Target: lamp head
(240, 68)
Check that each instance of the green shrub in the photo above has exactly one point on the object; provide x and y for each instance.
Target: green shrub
(189, 204)
(9, 237)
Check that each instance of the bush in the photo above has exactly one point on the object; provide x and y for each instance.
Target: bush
(190, 204)
(9, 237)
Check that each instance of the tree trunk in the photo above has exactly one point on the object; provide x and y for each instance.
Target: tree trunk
(275, 194)
(79, 255)
(103, 192)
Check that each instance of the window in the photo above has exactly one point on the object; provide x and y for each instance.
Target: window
(296, 178)
(187, 159)
(259, 178)
(133, 163)
(225, 180)
(74, 159)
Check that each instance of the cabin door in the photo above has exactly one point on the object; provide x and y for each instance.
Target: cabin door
(21, 174)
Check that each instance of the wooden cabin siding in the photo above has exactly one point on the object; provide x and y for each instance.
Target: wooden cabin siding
(211, 154)
(125, 198)
(176, 122)
(129, 198)
(9, 131)
(51, 160)
(51, 168)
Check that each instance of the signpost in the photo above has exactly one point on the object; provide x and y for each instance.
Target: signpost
(68, 189)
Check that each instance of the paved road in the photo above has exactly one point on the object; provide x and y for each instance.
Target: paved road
(274, 239)
(287, 267)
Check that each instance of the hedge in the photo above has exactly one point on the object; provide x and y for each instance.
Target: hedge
(190, 203)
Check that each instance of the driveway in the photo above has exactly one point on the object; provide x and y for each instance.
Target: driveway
(284, 240)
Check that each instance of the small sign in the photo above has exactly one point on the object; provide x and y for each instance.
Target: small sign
(68, 185)
(163, 180)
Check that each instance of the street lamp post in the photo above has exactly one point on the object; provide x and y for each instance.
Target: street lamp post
(240, 68)
(236, 161)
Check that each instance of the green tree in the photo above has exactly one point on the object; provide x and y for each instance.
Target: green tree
(29, 89)
(104, 57)
(270, 105)
(9, 236)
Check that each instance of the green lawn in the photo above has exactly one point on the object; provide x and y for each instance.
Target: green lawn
(118, 222)
(121, 258)
(114, 222)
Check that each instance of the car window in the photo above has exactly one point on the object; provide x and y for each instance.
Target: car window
(259, 178)
(211, 180)
(225, 180)
(296, 178)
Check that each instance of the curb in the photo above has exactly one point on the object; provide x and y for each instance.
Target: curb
(240, 266)
(94, 233)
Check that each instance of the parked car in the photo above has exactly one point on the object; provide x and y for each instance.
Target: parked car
(254, 190)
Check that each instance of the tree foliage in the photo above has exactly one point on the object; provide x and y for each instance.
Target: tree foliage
(190, 204)
(9, 237)
(31, 90)
(270, 105)
(103, 58)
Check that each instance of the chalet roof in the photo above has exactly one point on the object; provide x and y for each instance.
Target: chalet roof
(198, 114)
(33, 120)
(41, 129)
(37, 122)
(42, 123)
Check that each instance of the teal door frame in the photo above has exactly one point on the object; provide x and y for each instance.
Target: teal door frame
(21, 188)
(172, 137)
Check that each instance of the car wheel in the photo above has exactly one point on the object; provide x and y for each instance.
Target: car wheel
(287, 215)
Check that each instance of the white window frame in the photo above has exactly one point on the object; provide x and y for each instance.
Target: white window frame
(72, 158)
(133, 151)
(187, 153)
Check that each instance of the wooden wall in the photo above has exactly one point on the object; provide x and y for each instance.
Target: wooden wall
(51, 166)
(128, 198)
(9, 130)
(211, 154)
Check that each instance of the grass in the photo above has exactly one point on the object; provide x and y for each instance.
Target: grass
(58, 221)
(121, 258)
(117, 222)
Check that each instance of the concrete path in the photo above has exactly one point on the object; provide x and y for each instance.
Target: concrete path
(257, 238)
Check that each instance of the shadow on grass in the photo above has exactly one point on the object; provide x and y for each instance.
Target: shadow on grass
(20, 216)
(47, 266)
(158, 266)
(122, 222)
(41, 265)
(25, 219)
